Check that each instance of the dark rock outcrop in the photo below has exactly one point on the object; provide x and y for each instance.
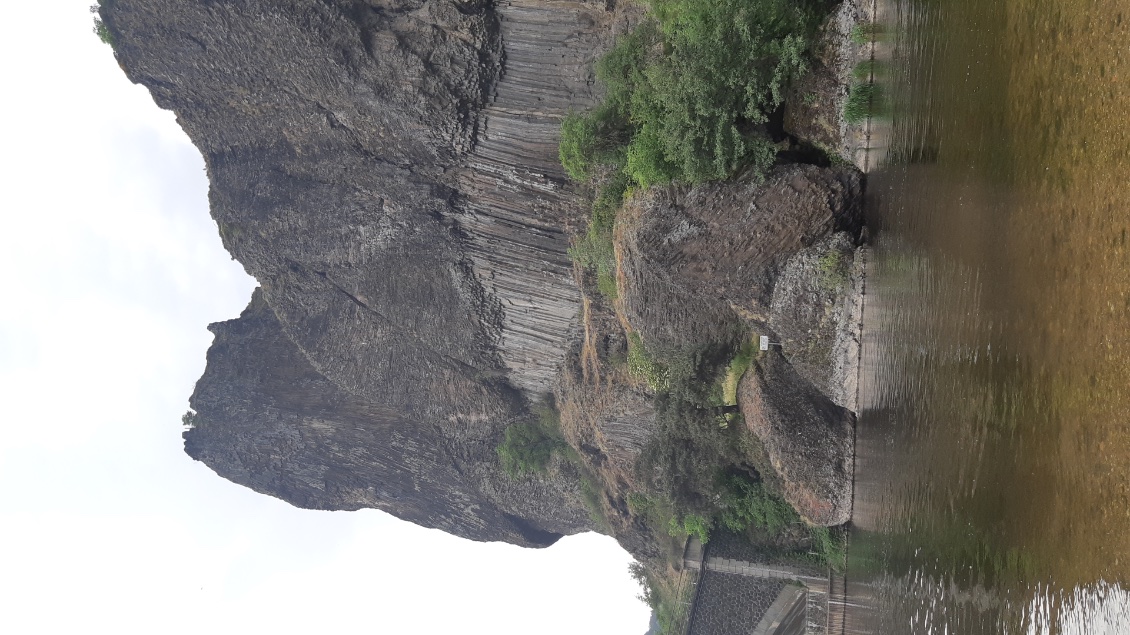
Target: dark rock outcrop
(328, 129)
(387, 170)
(266, 419)
(695, 262)
(809, 439)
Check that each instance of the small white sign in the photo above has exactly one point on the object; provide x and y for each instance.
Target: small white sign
(764, 342)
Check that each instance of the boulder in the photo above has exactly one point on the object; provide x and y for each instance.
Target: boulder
(808, 438)
(695, 262)
(816, 313)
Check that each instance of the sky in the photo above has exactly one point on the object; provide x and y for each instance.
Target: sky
(111, 269)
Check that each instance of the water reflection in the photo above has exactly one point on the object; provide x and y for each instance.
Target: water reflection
(993, 470)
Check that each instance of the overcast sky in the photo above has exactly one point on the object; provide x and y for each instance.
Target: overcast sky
(111, 270)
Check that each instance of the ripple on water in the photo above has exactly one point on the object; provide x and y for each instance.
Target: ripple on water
(994, 446)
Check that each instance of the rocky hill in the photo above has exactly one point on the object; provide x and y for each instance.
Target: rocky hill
(388, 171)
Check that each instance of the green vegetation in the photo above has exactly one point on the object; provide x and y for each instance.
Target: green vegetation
(527, 447)
(833, 270)
(641, 364)
(591, 494)
(669, 596)
(861, 101)
(702, 473)
(691, 525)
(747, 503)
(100, 29)
(188, 420)
(864, 70)
(688, 95)
(691, 450)
(830, 546)
(688, 98)
(594, 250)
(866, 33)
(736, 370)
(687, 89)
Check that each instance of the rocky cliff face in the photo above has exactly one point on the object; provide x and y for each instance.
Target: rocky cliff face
(266, 419)
(328, 130)
(701, 266)
(387, 170)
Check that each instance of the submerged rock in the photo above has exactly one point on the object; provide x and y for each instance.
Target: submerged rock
(809, 439)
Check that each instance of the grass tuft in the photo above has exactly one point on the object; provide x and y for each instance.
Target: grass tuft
(735, 371)
(860, 103)
(641, 364)
(866, 33)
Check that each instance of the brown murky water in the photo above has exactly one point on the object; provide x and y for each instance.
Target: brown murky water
(993, 476)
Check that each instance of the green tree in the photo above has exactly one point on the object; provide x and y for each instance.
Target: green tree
(100, 29)
(527, 447)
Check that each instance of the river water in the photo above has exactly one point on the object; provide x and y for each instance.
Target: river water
(993, 467)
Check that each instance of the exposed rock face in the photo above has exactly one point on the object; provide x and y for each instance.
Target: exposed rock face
(266, 419)
(695, 262)
(327, 129)
(517, 198)
(809, 439)
(387, 169)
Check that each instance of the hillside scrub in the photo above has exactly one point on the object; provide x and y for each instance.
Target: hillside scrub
(527, 447)
(594, 250)
(704, 470)
(694, 445)
(687, 90)
(688, 95)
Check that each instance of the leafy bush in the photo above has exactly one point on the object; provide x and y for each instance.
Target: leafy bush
(588, 141)
(687, 454)
(747, 503)
(188, 420)
(527, 447)
(830, 545)
(692, 525)
(594, 251)
(688, 88)
(687, 94)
